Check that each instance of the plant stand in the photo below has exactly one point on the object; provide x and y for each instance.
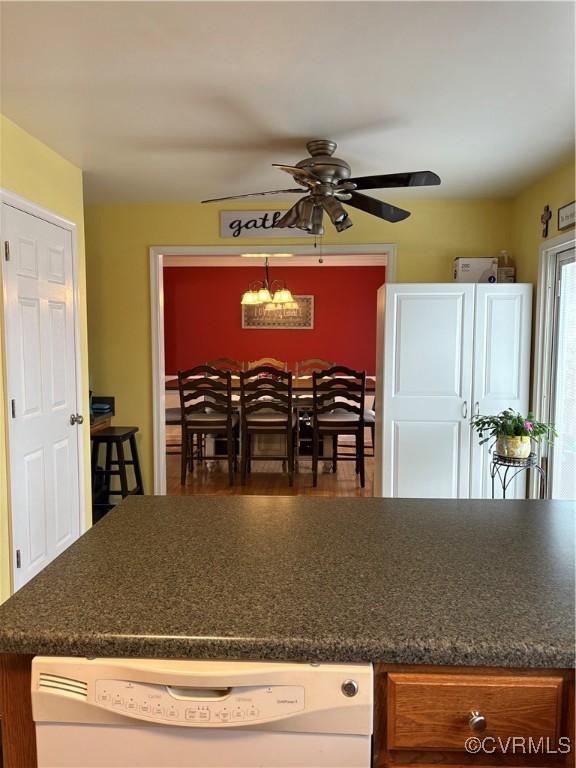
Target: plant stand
(506, 468)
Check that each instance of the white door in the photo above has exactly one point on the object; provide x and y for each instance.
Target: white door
(42, 390)
(426, 382)
(502, 331)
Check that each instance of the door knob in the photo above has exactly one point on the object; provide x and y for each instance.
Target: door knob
(76, 418)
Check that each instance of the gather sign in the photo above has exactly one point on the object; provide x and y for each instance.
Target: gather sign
(251, 224)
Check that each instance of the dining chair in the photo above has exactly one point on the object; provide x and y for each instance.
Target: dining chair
(369, 450)
(207, 409)
(304, 403)
(338, 409)
(266, 409)
(235, 367)
(226, 364)
(272, 362)
(370, 421)
(311, 365)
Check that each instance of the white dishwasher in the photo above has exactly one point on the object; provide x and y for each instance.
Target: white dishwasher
(156, 713)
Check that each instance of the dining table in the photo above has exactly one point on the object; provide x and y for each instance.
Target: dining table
(301, 383)
(303, 386)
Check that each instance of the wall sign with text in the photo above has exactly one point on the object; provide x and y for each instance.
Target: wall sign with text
(243, 224)
(566, 216)
(300, 318)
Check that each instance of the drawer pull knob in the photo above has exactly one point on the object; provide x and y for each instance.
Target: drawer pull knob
(477, 721)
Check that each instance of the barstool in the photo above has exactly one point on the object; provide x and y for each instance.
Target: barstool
(174, 419)
(101, 491)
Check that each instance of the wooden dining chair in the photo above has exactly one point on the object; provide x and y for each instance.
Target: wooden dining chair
(311, 365)
(266, 409)
(235, 367)
(226, 364)
(207, 409)
(281, 365)
(370, 421)
(307, 368)
(304, 404)
(338, 409)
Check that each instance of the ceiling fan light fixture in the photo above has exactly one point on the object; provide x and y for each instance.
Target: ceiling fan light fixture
(290, 218)
(334, 209)
(305, 209)
(343, 223)
(317, 226)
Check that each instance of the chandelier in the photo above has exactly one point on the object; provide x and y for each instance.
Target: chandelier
(273, 294)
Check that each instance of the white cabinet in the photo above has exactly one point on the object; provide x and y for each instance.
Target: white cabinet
(446, 351)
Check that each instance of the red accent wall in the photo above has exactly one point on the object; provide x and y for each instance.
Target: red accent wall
(202, 316)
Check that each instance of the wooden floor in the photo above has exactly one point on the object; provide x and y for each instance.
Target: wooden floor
(267, 479)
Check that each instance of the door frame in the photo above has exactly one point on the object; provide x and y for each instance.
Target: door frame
(383, 254)
(31, 208)
(544, 340)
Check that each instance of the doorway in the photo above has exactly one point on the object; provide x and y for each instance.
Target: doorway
(357, 256)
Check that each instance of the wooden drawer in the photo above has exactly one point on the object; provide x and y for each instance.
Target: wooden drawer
(430, 711)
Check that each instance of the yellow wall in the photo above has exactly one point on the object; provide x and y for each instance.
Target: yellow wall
(117, 242)
(32, 170)
(555, 189)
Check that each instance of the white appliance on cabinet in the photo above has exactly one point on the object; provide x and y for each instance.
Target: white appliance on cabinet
(446, 352)
(159, 713)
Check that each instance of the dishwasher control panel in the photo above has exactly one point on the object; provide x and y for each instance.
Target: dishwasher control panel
(233, 706)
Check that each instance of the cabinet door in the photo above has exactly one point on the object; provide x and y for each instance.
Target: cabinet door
(502, 328)
(427, 372)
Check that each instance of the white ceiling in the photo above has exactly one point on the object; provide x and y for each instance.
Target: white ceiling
(179, 101)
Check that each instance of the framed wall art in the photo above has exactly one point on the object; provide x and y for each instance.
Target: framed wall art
(567, 216)
(299, 318)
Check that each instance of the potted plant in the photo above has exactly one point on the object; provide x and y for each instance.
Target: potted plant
(512, 432)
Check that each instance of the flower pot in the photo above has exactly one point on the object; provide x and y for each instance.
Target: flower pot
(513, 447)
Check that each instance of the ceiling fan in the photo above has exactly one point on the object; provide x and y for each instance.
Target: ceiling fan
(325, 183)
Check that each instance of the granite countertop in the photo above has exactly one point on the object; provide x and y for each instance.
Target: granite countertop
(307, 578)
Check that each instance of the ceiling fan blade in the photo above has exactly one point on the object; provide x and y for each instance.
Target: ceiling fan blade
(388, 180)
(253, 194)
(300, 175)
(377, 207)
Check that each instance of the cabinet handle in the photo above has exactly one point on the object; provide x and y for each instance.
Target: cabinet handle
(465, 409)
(476, 408)
(477, 721)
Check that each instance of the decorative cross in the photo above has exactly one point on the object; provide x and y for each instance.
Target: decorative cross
(545, 218)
